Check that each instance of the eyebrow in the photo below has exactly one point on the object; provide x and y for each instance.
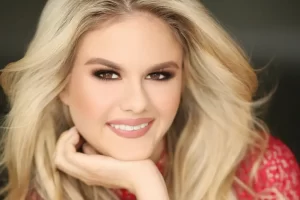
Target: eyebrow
(117, 67)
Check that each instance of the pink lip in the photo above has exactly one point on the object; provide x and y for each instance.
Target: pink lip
(131, 122)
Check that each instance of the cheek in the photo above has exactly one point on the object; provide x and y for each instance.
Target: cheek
(166, 99)
(89, 100)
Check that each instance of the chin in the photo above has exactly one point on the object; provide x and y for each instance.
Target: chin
(131, 156)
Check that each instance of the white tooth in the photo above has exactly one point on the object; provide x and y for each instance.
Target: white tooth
(129, 128)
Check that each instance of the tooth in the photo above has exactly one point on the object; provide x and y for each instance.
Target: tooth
(127, 128)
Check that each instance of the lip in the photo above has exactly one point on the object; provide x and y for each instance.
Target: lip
(131, 122)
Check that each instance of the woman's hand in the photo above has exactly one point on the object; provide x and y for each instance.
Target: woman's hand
(140, 177)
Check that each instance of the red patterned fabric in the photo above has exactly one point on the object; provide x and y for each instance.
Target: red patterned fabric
(279, 172)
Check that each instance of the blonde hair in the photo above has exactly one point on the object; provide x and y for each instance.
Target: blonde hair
(214, 128)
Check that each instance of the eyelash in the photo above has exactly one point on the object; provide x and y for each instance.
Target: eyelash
(100, 73)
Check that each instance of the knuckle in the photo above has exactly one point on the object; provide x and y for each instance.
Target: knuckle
(63, 135)
(65, 132)
(88, 183)
(57, 161)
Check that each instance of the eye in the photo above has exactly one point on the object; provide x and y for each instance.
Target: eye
(159, 76)
(106, 75)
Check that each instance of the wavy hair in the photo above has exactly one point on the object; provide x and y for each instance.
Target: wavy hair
(214, 128)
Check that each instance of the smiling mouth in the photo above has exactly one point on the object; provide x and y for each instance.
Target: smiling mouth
(124, 127)
(134, 128)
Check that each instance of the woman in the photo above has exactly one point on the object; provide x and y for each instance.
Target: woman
(125, 99)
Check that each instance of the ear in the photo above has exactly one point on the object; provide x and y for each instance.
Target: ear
(64, 96)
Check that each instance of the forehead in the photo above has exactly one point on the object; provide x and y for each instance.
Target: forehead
(135, 39)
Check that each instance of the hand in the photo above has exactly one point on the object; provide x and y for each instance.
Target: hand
(140, 177)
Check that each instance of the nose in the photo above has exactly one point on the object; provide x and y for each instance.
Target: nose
(134, 98)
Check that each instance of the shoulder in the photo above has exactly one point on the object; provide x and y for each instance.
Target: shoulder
(278, 171)
(278, 158)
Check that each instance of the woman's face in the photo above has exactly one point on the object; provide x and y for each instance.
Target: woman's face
(125, 86)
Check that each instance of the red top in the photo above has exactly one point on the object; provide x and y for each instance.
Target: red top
(279, 171)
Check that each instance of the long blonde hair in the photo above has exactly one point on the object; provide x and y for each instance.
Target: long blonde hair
(214, 128)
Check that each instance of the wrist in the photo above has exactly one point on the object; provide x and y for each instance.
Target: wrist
(150, 184)
(154, 189)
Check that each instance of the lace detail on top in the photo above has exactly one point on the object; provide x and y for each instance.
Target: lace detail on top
(278, 173)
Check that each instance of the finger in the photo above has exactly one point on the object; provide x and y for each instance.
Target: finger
(99, 170)
(66, 160)
(61, 142)
(94, 161)
(70, 143)
(66, 146)
(88, 149)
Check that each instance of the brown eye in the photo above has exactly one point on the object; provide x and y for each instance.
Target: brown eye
(156, 76)
(109, 76)
(159, 76)
(106, 75)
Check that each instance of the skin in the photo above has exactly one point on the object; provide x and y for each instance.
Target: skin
(136, 44)
(147, 84)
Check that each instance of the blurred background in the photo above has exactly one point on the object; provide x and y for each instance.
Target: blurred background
(268, 30)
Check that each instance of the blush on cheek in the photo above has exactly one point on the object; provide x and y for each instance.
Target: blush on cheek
(171, 99)
(170, 106)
